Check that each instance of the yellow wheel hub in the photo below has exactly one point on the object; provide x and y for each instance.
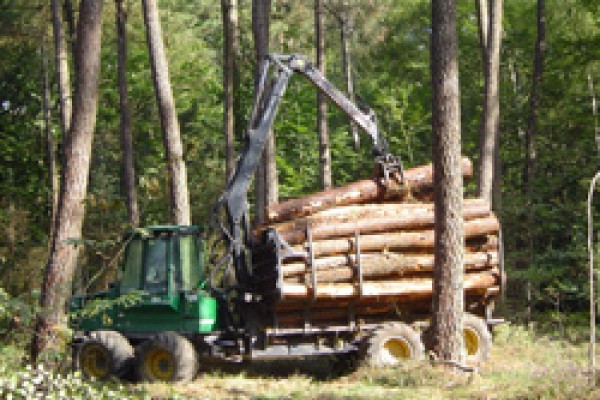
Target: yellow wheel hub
(395, 350)
(160, 364)
(95, 361)
(471, 342)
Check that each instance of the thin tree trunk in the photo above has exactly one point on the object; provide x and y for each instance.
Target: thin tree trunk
(322, 128)
(530, 139)
(594, 111)
(76, 162)
(346, 30)
(483, 25)
(488, 137)
(265, 184)
(50, 145)
(230, 50)
(448, 303)
(62, 68)
(128, 169)
(70, 20)
(180, 203)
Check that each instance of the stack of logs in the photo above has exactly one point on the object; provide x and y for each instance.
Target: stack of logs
(372, 243)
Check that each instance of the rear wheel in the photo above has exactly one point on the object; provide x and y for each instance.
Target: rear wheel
(104, 354)
(477, 338)
(167, 357)
(393, 344)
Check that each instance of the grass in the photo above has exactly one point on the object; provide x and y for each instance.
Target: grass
(523, 365)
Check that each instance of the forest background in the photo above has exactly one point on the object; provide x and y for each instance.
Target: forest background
(543, 218)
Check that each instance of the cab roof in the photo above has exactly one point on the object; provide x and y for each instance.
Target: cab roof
(154, 230)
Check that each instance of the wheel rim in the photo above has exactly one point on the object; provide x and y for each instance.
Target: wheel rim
(471, 342)
(95, 361)
(160, 364)
(394, 351)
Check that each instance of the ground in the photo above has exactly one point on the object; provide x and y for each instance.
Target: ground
(523, 365)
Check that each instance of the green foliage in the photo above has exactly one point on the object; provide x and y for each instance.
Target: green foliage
(17, 316)
(100, 306)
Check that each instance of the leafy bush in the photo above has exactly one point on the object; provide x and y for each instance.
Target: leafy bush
(17, 315)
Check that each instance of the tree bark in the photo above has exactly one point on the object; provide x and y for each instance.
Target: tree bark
(128, 169)
(448, 303)
(265, 184)
(76, 162)
(491, 36)
(229, 11)
(180, 203)
(62, 68)
(322, 128)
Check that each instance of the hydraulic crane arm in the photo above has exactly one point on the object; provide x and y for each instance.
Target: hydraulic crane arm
(365, 120)
(267, 98)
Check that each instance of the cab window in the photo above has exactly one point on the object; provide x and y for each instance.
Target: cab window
(156, 274)
(132, 267)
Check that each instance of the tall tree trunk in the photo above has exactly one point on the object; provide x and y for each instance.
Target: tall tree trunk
(180, 203)
(490, 27)
(530, 139)
(229, 10)
(322, 129)
(128, 169)
(346, 30)
(265, 185)
(448, 303)
(76, 162)
(50, 145)
(62, 68)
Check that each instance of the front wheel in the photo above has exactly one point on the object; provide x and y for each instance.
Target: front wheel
(392, 344)
(104, 354)
(167, 357)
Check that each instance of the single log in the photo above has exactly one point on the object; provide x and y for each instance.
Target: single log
(370, 190)
(397, 240)
(341, 268)
(385, 289)
(369, 218)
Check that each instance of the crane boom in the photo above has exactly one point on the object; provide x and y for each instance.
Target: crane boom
(267, 98)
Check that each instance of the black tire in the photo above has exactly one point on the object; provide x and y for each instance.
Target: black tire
(104, 354)
(477, 338)
(167, 357)
(392, 344)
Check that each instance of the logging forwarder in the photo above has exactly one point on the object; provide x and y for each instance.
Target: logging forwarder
(218, 291)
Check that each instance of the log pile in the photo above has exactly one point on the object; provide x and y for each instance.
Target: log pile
(370, 245)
